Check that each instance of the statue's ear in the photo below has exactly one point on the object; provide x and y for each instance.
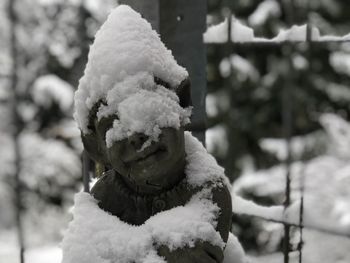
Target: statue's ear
(94, 148)
(184, 93)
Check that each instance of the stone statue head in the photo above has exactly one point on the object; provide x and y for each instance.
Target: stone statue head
(133, 103)
(147, 169)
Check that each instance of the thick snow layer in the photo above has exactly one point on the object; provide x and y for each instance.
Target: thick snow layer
(125, 47)
(96, 236)
(325, 181)
(217, 33)
(242, 206)
(241, 33)
(144, 109)
(201, 166)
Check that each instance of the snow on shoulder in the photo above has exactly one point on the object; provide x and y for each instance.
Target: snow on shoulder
(96, 236)
(126, 52)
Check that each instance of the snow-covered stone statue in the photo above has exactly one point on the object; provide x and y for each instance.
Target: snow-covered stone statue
(163, 197)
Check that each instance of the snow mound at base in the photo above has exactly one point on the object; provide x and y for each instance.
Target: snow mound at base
(96, 236)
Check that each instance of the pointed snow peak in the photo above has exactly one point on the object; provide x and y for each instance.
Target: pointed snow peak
(125, 46)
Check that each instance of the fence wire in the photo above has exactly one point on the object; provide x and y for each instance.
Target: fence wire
(287, 117)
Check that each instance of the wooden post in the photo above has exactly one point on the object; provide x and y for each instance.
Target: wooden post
(181, 25)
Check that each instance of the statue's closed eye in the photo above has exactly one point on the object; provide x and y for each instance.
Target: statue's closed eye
(93, 114)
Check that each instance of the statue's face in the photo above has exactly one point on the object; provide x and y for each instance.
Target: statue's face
(157, 166)
(146, 169)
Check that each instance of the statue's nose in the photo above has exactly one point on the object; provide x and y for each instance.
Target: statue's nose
(137, 140)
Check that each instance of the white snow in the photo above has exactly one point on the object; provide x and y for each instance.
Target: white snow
(49, 88)
(90, 241)
(240, 32)
(334, 38)
(340, 61)
(244, 68)
(240, 66)
(44, 254)
(124, 47)
(142, 110)
(336, 91)
(264, 10)
(242, 206)
(201, 167)
(339, 134)
(326, 197)
(234, 252)
(296, 33)
(216, 140)
(47, 158)
(217, 33)
(298, 145)
(97, 10)
(87, 240)
(9, 250)
(216, 102)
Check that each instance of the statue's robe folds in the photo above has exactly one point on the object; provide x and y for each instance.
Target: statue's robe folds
(114, 196)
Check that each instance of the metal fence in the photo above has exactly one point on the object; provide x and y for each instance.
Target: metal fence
(309, 41)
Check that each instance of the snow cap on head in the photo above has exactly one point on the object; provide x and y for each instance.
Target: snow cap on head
(125, 46)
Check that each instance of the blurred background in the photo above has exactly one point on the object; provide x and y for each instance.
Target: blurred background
(273, 110)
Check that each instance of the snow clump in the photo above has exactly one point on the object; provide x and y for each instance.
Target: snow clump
(123, 63)
(144, 109)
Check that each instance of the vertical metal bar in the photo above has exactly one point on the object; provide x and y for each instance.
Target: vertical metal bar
(181, 26)
(182, 32)
(302, 178)
(287, 129)
(17, 126)
(287, 123)
(301, 218)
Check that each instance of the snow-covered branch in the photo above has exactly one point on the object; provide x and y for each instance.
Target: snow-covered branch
(290, 216)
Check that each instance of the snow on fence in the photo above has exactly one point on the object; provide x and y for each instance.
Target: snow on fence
(232, 33)
(232, 30)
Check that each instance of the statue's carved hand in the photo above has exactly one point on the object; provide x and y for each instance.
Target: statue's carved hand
(202, 252)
